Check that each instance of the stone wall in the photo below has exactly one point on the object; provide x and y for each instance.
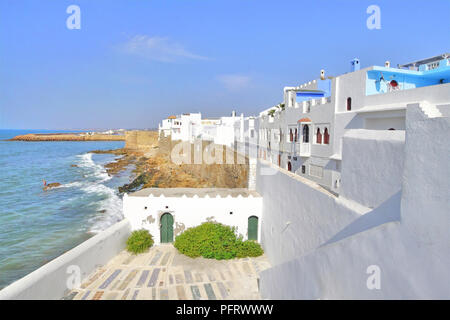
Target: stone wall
(141, 140)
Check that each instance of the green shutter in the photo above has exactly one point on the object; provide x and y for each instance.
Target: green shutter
(253, 228)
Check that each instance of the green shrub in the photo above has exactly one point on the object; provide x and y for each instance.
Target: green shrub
(139, 241)
(249, 248)
(215, 241)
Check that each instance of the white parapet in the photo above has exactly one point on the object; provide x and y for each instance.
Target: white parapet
(54, 279)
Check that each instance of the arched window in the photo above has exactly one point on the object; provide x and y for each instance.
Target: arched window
(349, 104)
(318, 136)
(295, 135)
(326, 136)
(289, 166)
(305, 133)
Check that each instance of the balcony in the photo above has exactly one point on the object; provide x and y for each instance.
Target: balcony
(305, 149)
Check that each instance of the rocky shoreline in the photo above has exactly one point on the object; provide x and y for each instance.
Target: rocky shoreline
(154, 169)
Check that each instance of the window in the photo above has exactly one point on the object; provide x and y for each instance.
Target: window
(251, 133)
(326, 137)
(295, 135)
(349, 104)
(318, 136)
(291, 135)
(305, 133)
(303, 169)
(279, 159)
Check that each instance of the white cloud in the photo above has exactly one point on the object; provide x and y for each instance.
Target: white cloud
(234, 81)
(158, 49)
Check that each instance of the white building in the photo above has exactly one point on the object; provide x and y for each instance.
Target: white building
(165, 128)
(166, 213)
(191, 127)
(306, 135)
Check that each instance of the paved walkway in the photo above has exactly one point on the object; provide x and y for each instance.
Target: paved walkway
(163, 274)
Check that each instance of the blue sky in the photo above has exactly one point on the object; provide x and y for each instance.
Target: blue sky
(133, 62)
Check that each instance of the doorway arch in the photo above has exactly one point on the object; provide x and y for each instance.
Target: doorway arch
(166, 228)
(253, 228)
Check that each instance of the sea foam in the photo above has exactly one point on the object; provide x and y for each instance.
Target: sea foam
(110, 205)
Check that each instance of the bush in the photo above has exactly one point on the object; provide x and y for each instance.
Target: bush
(139, 241)
(249, 248)
(215, 241)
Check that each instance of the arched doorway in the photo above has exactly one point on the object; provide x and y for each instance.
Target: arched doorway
(253, 228)
(289, 166)
(166, 228)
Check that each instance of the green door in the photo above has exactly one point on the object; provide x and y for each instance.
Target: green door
(166, 228)
(253, 228)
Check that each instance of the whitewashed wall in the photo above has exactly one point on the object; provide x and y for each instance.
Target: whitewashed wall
(426, 184)
(372, 165)
(406, 237)
(50, 281)
(298, 215)
(190, 212)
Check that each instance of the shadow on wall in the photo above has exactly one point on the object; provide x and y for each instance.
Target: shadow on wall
(388, 211)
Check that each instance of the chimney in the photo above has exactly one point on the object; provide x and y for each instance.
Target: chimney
(354, 65)
(322, 74)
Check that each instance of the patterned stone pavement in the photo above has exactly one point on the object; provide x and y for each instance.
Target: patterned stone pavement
(163, 274)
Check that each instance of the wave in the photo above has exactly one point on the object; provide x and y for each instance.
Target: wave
(76, 184)
(110, 209)
(94, 170)
(110, 206)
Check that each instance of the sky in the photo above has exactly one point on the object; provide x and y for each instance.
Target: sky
(132, 63)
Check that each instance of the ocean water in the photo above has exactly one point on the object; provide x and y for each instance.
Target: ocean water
(37, 226)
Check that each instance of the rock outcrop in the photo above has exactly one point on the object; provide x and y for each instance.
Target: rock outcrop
(51, 185)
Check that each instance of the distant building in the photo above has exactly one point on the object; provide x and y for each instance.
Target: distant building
(191, 127)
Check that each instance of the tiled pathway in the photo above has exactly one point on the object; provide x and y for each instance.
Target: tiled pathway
(163, 273)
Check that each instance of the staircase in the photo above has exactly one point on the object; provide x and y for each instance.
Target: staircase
(430, 110)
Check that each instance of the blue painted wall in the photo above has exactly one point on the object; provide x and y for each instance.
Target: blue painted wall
(322, 85)
(407, 79)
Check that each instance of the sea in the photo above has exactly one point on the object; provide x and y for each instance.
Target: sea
(37, 226)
